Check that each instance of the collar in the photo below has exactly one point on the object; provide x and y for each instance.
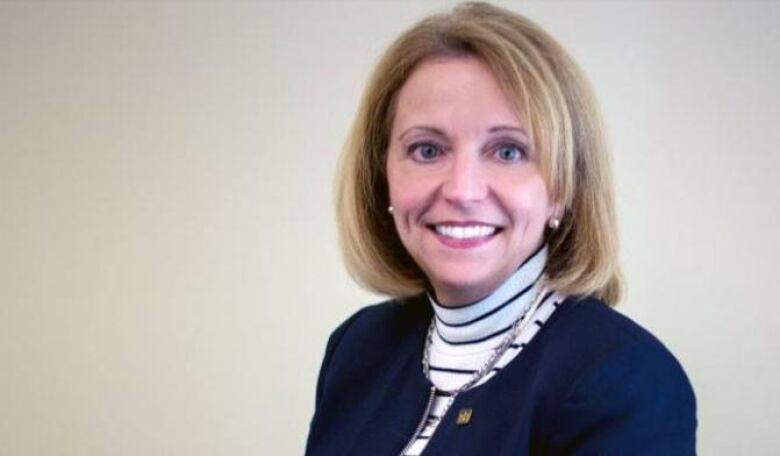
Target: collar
(491, 315)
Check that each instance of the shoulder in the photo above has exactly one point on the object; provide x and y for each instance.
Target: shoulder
(592, 318)
(617, 384)
(375, 332)
(585, 336)
(371, 338)
(585, 331)
(383, 321)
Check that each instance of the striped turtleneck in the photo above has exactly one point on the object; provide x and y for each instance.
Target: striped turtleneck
(465, 337)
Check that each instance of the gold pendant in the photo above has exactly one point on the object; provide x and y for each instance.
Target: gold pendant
(464, 416)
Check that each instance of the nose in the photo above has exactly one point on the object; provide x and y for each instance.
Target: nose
(464, 183)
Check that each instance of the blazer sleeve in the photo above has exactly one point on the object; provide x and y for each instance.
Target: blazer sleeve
(330, 349)
(638, 401)
(317, 427)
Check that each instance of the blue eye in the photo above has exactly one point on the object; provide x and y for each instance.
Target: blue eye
(510, 153)
(425, 151)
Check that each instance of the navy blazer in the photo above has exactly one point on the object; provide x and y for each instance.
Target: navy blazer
(591, 382)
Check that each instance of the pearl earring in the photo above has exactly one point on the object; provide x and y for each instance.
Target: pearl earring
(554, 223)
(390, 209)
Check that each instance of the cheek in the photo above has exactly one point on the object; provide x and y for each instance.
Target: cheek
(408, 206)
(408, 191)
(398, 189)
(530, 203)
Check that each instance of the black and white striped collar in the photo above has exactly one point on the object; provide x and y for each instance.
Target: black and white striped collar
(492, 315)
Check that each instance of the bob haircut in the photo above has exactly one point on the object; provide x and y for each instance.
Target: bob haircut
(549, 90)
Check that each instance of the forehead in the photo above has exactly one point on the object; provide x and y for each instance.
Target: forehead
(456, 92)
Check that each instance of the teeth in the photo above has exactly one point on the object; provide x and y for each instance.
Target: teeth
(465, 232)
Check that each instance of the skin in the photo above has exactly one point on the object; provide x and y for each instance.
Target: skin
(460, 157)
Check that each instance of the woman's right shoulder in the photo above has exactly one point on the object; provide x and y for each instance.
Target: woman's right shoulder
(371, 338)
(384, 321)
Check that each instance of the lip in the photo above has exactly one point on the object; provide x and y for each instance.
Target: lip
(463, 223)
(468, 243)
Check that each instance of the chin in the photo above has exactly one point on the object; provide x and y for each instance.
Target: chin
(464, 283)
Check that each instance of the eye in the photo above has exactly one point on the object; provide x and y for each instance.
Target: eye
(424, 151)
(510, 153)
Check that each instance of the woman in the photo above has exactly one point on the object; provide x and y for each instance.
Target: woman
(476, 189)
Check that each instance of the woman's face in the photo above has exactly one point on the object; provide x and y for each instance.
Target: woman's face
(470, 204)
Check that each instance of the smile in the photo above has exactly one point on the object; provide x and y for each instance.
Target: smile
(465, 231)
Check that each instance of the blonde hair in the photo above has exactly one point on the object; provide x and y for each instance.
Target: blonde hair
(547, 88)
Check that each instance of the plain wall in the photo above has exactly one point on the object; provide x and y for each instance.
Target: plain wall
(169, 270)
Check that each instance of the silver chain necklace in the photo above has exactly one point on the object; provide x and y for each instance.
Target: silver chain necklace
(498, 352)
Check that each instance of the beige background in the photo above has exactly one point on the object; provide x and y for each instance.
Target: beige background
(168, 264)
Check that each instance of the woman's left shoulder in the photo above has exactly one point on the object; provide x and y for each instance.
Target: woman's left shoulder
(618, 383)
(590, 330)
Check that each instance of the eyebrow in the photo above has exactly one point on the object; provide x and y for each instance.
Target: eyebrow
(508, 128)
(439, 132)
(424, 128)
